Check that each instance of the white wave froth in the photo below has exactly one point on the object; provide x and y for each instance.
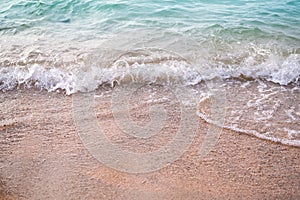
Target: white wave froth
(151, 66)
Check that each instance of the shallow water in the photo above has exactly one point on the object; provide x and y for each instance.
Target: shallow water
(77, 46)
(48, 42)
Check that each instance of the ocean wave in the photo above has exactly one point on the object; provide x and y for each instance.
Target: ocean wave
(264, 136)
(150, 65)
(259, 108)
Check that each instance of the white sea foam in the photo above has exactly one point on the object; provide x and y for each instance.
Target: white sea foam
(258, 113)
(255, 133)
(147, 65)
(261, 109)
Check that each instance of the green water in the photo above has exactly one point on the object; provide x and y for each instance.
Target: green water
(259, 39)
(80, 45)
(242, 19)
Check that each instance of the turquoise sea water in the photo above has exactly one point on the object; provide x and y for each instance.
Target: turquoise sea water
(243, 19)
(79, 45)
(253, 38)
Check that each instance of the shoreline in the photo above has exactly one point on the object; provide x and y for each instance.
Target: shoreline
(42, 157)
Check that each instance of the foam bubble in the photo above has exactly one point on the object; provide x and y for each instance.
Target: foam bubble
(261, 109)
(148, 66)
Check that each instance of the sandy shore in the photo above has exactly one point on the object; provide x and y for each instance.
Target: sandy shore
(42, 157)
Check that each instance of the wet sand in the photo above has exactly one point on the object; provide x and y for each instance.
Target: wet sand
(42, 157)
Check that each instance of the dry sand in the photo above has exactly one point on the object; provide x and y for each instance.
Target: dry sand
(42, 157)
